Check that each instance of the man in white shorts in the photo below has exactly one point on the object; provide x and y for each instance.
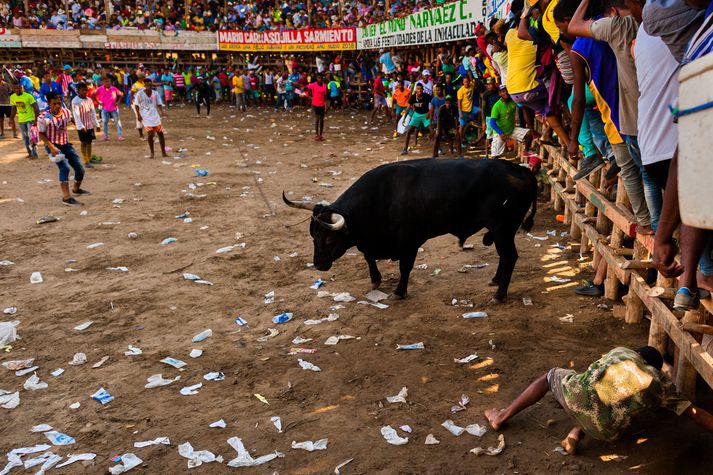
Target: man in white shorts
(502, 121)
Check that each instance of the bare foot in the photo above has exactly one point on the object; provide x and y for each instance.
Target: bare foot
(493, 416)
(569, 444)
(646, 230)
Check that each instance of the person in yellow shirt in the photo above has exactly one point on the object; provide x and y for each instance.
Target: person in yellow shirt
(239, 91)
(34, 79)
(465, 105)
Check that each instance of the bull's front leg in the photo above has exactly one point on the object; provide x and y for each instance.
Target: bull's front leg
(374, 273)
(405, 267)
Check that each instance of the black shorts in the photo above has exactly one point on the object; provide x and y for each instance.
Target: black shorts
(87, 136)
(318, 111)
(5, 111)
(336, 100)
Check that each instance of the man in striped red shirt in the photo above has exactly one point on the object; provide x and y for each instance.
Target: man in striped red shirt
(180, 82)
(65, 79)
(52, 125)
(85, 118)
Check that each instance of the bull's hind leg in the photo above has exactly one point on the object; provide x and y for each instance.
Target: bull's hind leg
(505, 245)
(374, 273)
(405, 267)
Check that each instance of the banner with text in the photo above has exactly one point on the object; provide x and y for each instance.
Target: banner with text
(451, 22)
(317, 39)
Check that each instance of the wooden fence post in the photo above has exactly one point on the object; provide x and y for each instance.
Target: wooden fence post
(686, 374)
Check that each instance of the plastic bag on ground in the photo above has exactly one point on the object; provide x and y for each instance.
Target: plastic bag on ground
(491, 450)
(77, 458)
(473, 429)
(8, 332)
(58, 438)
(308, 366)
(156, 441)
(9, 400)
(392, 437)
(191, 390)
(400, 397)
(33, 383)
(196, 458)
(311, 446)
(244, 459)
(157, 380)
(128, 461)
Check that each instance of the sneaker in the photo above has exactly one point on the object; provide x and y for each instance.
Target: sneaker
(121, 138)
(88, 165)
(105, 138)
(81, 192)
(590, 290)
(612, 172)
(589, 165)
(404, 152)
(685, 300)
(70, 202)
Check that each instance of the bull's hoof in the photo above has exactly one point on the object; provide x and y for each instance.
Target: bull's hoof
(493, 283)
(397, 296)
(496, 301)
(375, 285)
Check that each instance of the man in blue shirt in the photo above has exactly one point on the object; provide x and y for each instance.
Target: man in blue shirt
(388, 63)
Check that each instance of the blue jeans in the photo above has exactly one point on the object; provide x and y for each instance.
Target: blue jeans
(290, 99)
(652, 193)
(111, 115)
(25, 130)
(281, 99)
(70, 159)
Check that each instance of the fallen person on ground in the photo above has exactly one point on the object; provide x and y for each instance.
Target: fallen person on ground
(605, 398)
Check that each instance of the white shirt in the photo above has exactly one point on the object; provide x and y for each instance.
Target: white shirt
(657, 76)
(148, 106)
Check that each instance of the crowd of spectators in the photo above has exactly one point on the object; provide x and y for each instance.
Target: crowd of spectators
(203, 15)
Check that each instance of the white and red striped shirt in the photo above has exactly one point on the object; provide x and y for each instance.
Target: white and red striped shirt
(65, 80)
(55, 126)
(85, 115)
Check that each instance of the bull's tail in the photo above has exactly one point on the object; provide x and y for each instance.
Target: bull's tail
(529, 220)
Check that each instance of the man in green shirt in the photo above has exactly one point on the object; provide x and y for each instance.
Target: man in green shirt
(502, 121)
(25, 107)
(607, 396)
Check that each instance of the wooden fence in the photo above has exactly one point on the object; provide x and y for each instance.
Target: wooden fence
(605, 226)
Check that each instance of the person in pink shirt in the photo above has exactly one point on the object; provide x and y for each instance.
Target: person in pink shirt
(318, 91)
(108, 97)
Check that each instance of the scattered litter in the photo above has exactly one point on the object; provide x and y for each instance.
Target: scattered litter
(157, 380)
(77, 458)
(298, 340)
(214, 376)
(475, 315)
(317, 284)
(269, 297)
(412, 346)
(6, 263)
(240, 321)
(10, 311)
(191, 390)
(221, 424)
(466, 267)
(96, 245)
(560, 450)
(57, 372)
(78, 359)
(376, 295)
(174, 362)
(569, 318)
(338, 468)
(244, 459)
(117, 201)
(103, 396)
(202, 335)
(559, 280)
(527, 301)
(334, 339)
(302, 351)
(36, 278)
(465, 360)
(462, 303)
(168, 240)
(379, 305)
(311, 446)
(400, 397)
(271, 333)
(100, 362)
(23, 372)
(119, 268)
(74, 405)
(332, 317)
(431, 440)
(343, 297)
(537, 238)
(282, 318)
(33, 383)
(132, 235)
(308, 366)
(189, 276)
(9, 400)
(133, 351)
(8, 332)
(195, 353)
(58, 438)
(261, 398)
(15, 365)
(491, 450)
(473, 429)
(464, 400)
(83, 326)
(41, 428)
(156, 441)
(226, 249)
(392, 437)
(422, 267)
(406, 428)
(128, 461)
(277, 422)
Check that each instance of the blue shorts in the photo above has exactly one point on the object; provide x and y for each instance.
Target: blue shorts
(466, 117)
(400, 109)
(419, 120)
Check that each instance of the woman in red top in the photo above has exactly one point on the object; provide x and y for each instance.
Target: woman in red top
(318, 91)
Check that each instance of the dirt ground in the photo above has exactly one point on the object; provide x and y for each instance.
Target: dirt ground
(251, 158)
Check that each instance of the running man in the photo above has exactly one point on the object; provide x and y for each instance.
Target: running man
(318, 90)
(85, 118)
(52, 125)
(108, 97)
(379, 98)
(400, 96)
(607, 396)
(25, 108)
(420, 103)
(147, 105)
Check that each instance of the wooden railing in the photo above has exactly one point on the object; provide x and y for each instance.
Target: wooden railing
(605, 226)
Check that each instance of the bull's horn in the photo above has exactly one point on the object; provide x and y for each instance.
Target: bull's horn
(297, 204)
(337, 223)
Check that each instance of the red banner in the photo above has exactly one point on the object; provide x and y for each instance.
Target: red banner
(317, 39)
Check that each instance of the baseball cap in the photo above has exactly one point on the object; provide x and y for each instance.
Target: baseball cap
(426, 72)
(502, 87)
(67, 67)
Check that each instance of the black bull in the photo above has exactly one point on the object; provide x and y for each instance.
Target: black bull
(393, 209)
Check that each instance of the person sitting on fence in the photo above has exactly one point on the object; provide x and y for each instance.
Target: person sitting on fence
(604, 399)
(502, 121)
